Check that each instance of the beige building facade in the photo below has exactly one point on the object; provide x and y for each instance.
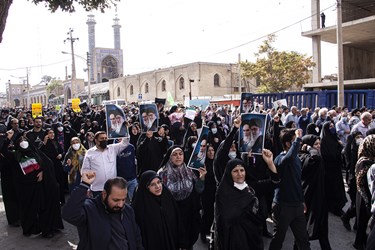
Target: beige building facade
(194, 80)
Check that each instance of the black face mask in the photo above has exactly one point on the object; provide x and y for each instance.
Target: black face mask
(103, 144)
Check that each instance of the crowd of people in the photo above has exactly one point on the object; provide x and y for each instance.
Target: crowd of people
(139, 193)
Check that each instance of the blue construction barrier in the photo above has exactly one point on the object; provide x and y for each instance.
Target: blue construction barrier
(324, 98)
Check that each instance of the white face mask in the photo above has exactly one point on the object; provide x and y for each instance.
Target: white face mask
(317, 129)
(193, 145)
(60, 129)
(232, 154)
(76, 146)
(24, 144)
(214, 130)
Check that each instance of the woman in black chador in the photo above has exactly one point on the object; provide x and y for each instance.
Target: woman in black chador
(238, 225)
(55, 153)
(331, 155)
(157, 214)
(39, 198)
(313, 185)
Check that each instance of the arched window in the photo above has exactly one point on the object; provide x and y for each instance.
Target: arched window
(146, 87)
(109, 68)
(216, 80)
(118, 91)
(182, 83)
(163, 86)
(131, 90)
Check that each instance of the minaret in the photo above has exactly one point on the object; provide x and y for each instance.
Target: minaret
(91, 29)
(116, 32)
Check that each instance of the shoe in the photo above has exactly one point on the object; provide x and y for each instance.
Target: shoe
(346, 223)
(267, 234)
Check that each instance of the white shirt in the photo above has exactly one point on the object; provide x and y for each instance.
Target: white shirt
(360, 127)
(103, 163)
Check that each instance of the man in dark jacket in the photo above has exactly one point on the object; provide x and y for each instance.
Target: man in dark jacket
(288, 207)
(104, 222)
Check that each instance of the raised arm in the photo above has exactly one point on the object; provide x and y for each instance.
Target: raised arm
(74, 210)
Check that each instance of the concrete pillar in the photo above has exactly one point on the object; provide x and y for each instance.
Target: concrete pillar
(316, 41)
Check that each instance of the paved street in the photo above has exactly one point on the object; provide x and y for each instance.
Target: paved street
(12, 238)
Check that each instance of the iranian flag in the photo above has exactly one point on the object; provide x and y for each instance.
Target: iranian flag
(28, 165)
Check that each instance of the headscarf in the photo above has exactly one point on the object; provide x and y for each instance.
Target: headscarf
(179, 179)
(366, 156)
(29, 152)
(311, 129)
(236, 211)
(28, 159)
(157, 216)
(76, 156)
(370, 131)
(330, 147)
(310, 139)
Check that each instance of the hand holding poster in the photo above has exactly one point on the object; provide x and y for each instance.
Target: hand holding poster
(116, 126)
(282, 103)
(75, 105)
(252, 133)
(85, 108)
(198, 156)
(149, 117)
(246, 105)
(190, 113)
(36, 109)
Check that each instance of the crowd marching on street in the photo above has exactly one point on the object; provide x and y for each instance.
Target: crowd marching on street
(175, 178)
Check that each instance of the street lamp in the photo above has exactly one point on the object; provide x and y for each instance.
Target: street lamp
(87, 60)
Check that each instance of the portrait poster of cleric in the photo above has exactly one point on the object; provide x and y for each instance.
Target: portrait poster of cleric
(198, 156)
(282, 103)
(252, 133)
(116, 122)
(246, 104)
(149, 117)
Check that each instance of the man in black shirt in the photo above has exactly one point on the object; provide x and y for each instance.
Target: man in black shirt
(36, 135)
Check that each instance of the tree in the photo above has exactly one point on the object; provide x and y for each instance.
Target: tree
(277, 71)
(54, 84)
(53, 5)
(46, 79)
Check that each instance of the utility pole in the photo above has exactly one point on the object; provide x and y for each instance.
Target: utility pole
(340, 65)
(72, 40)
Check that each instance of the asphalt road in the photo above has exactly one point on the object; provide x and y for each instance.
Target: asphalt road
(12, 238)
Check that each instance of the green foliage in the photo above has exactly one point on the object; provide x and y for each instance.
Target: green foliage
(68, 5)
(54, 84)
(277, 71)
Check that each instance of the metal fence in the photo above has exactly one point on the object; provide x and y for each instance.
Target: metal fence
(324, 98)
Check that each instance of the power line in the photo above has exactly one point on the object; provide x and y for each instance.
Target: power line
(264, 36)
(36, 66)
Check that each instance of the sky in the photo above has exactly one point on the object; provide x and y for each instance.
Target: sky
(157, 34)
